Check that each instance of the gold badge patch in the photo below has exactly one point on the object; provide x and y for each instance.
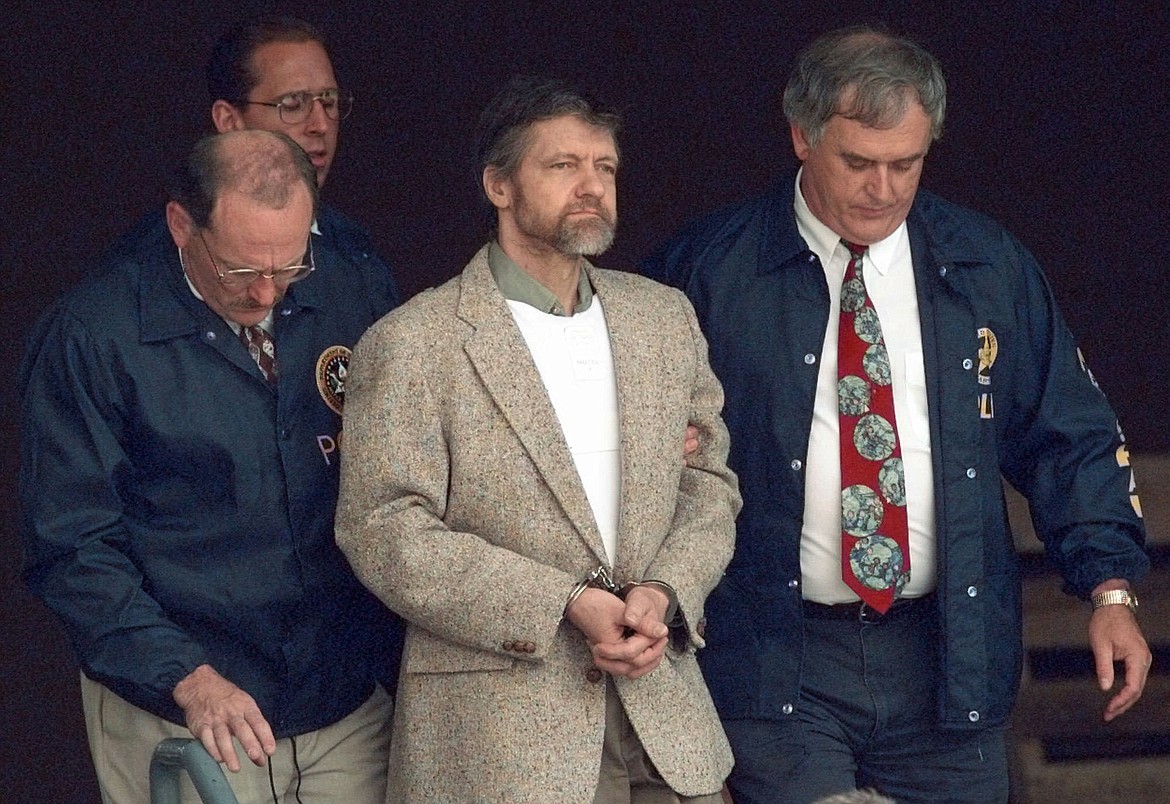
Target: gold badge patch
(988, 350)
(332, 367)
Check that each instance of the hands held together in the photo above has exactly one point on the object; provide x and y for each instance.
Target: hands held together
(628, 637)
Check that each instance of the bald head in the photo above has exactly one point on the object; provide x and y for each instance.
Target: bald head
(263, 166)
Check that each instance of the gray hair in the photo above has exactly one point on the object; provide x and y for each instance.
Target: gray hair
(865, 75)
(505, 125)
(263, 165)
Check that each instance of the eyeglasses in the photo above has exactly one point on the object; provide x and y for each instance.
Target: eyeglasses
(295, 107)
(240, 277)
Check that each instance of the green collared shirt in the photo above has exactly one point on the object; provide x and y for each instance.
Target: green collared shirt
(517, 285)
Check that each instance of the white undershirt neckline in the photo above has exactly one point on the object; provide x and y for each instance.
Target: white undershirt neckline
(575, 362)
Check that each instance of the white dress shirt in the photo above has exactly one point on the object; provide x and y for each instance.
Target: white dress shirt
(889, 278)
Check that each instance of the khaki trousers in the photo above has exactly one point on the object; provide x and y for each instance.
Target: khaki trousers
(627, 774)
(344, 762)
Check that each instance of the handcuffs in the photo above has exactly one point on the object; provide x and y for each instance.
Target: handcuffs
(601, 578)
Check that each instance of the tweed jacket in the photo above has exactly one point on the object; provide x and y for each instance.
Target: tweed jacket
(462, 510)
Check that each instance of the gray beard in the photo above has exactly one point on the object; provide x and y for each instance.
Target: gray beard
(584, 238)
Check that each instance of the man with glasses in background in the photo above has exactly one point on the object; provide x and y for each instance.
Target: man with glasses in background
(273, 73)
(181, 422)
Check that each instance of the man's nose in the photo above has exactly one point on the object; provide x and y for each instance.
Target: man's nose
(263, 291)
(317, 121)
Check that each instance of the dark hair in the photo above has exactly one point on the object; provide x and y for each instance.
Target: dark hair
(230, 70)
(505, 125)
(866, 75)
(263, 165)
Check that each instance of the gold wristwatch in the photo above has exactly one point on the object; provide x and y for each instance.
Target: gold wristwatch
(1115, 597)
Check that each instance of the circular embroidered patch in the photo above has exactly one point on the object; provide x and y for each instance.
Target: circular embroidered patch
(892, 482)
(861, 510)
(853, 394)
(876, 363)
(874, 437)
(876, 561)
(332, 367)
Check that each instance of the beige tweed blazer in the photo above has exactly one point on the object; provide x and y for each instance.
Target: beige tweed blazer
(461, 508)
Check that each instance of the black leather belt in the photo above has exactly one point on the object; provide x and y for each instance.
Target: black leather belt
(861, 612)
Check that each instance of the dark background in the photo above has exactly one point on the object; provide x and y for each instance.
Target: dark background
(1057, 126)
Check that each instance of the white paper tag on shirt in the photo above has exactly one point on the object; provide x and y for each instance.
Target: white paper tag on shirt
(586, 353)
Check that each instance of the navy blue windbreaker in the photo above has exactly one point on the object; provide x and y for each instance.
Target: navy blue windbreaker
(1034, 416)
(176, 511)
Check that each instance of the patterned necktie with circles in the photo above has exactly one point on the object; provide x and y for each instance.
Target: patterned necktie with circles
(875, 537)
(262, 349)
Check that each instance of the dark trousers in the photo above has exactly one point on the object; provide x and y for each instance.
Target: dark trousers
(867, 717)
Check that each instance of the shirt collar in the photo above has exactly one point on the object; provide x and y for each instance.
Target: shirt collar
(517, 285)
(824, 242)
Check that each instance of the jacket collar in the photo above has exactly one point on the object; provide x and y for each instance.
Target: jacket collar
(947, 242)
(168, 309)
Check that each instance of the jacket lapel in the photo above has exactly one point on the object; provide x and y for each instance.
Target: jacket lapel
(501, 358)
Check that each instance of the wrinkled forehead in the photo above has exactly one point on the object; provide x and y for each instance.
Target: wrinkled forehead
(241, 215)
(570, 134)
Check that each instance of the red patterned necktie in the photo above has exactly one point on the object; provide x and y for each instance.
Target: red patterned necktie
(262, 349)
(875, 538)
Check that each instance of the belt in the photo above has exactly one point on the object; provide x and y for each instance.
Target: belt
(862, 612)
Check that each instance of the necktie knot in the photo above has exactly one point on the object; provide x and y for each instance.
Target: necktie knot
(855, 251)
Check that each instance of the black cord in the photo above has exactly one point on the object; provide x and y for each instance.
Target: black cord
(297, 768)
(272, 782)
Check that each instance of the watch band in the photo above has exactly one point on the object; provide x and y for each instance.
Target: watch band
(1115, 597)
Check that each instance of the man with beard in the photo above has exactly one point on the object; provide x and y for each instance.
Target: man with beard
(513, 487)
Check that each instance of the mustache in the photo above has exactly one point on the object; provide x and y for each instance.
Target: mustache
(594, 206)
(250, 305)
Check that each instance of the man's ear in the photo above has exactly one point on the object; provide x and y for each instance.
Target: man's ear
(180, 224)
(226, 117)
(497, 188)
(800, 142)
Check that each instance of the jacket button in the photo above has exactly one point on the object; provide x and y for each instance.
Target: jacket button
(973, 716)
(529, 647)
(786, 709)
(594, 675)
(509, 645)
